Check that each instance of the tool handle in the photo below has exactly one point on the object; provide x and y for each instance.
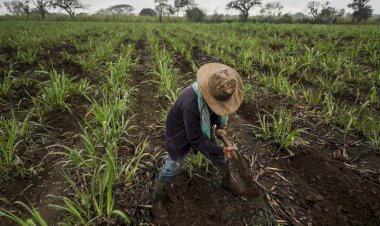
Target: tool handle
(225, 140)
(227, 144)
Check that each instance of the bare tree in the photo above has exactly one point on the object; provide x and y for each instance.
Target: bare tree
(272, 9)
(243, 6)
(18, 7)
(42, 6)
(161, 8)
(314, 8)
(68, 5)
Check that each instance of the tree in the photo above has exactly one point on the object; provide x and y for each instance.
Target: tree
(42, 6)
(272, 9)
(124, 9)
(68, 5)
(362, 11)
(147, 12)
(184, 4)
(331, 14)
(161, 8)
(195, 14)
(18, 7)
(216, 17)
(243, 6)
(172, 10)
(315, 8)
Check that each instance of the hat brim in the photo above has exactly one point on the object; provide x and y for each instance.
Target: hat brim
(221, 108)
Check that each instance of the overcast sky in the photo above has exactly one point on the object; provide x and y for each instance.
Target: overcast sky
(210, 5)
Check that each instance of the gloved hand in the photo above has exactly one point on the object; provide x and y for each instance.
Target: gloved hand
(228, 152)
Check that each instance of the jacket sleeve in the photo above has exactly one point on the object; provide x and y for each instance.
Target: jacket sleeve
(197, 139)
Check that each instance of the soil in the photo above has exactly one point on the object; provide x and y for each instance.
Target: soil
(59, 127)
(315, 187)
(48, 180)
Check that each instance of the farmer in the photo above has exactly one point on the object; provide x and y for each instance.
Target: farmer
(206, 103)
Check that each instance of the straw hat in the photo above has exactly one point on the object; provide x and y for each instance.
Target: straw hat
(221, 87)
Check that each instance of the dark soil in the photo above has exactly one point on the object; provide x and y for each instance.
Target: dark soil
(349, 197)
(59, 127)
(316, 186)
(35, 190)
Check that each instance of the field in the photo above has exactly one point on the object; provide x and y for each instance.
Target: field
(83, 108)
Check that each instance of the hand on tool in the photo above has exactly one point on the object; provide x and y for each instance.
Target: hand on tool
(228, 152)
(219, 131)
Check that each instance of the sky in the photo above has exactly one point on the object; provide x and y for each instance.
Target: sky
(210, 5)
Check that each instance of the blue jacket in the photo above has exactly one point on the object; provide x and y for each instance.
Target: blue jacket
(183, 129)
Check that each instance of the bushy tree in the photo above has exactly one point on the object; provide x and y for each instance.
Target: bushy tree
(272, 9)
(216, 17)
(331, 14)
(362, 11)
(243, 6)
(147, 12)
(122, 9)
(68, 5)
(18, 7)
(195, 14)
(323, 12)
(286, 18)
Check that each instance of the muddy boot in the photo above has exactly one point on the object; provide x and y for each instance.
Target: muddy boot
(228, 181)
(160, 195)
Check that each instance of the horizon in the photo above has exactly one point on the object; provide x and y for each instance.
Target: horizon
(210, 6)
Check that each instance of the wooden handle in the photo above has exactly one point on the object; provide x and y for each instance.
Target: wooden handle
(224, 139)
(228, 144)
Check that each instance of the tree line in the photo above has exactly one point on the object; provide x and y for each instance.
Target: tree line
(320, 12)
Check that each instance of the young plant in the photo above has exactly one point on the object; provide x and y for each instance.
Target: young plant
(330, 105)
(94, 201)
(112, 119)
(12, 134)
(28, 56)
(9, 140)
(56, 92)
(249, 94)
(280, 128)
(196, 162)
(312, 97)
(374, 97)
(120, 73)
(167, 79)
(374, 139)
(279, 83)
(6, 85)
(36, 218)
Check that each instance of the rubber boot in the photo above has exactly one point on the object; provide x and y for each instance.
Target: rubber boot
(160, 195)
(228, 181)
